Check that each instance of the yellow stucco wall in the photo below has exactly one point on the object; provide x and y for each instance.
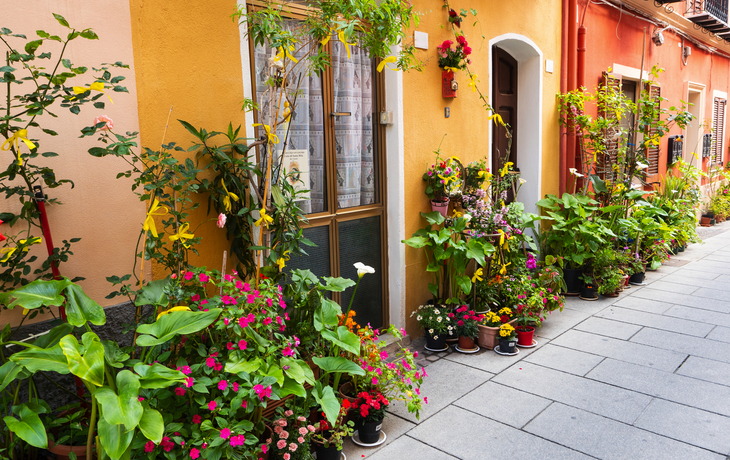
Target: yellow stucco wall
(188, 57)
(100, 209)
(467, 128)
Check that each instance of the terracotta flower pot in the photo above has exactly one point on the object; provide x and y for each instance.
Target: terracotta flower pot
(524, 335)
(62, 451)
(466, 343)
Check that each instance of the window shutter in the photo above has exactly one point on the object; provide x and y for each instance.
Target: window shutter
(605, 164)
(652, 151)
(718, 129)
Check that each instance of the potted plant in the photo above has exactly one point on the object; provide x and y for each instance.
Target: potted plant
(588, 291)
(467, 327)
(452, 57)
(489, 329)
(435, 322)
(607, 272)
(291, 438)
(68, 430)
(369, 414)
(507, 339)
(329, 439)
(443, 180)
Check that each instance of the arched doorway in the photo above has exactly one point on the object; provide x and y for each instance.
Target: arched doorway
(528, 112)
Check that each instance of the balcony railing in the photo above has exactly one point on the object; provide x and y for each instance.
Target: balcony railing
(710, 14)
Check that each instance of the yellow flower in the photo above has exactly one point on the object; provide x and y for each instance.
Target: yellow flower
(695, 155)
(503, 270)
(285, 52)
(389, 59)
(149, 222)
(96, 86)
(473, 83)
(265, 219)
(281, 261)
(343, 39)
(272, 137)
(457, 214)
(505, 168)
(19, 135)
(497, 119)
(182, 235)
(170, 310)
(10, 251)
(477, 275)
(229, 196)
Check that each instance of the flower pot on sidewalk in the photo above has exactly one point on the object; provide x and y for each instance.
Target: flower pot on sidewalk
(524, 335)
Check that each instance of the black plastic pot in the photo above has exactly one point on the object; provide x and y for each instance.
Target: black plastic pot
(682, 248)
(436, 344)
(327, 453)
(588, 292)
(572, 280)
(637, 278)
(369, 432)
(507, 346)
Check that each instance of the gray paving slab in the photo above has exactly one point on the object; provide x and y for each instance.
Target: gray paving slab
(632, 352)
(683, 299)
(694, 314)
(565, 359)
(678, 388)
(559, 322)
(696, 346)
(489, 360)
(669, 286)
(447, 381)
(491, 398)
(610, 401)
(687, 424)
(405, 448)
(609, 328)
(706, 369)
(394, 427)
(637, 303)
(607, 439)
(714, 294)
(685, 275)
(720, 333)
(655, 321)
(467, 435)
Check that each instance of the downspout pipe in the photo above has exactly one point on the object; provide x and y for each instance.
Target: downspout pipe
(563, 168)
(572, 82)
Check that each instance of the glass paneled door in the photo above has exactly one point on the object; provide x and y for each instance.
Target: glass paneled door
(334, 126)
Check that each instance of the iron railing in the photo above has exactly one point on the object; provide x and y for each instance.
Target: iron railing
(717, 8)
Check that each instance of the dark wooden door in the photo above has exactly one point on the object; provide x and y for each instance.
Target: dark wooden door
(504, 90)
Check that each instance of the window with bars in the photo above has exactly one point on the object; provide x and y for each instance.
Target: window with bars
(718, 129)
(653, 150)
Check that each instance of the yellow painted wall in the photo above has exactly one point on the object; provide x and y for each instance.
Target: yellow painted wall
(100, 209)
(188, 57)
(467, 133)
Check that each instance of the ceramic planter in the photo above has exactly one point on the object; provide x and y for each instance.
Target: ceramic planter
(327, 453)
(441, 206)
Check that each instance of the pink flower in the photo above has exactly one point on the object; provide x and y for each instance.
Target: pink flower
(300, 440)
(180, 391)
(189, 381)
(230, 345)
(288, 413)
(287, 456)
(188, 276)
(195, 297)
(104, 119)
(225, 433)
(221, 220)
(293, 447)
(185, 370)
(302, 431)
(218, 366)
(281, 444)
(149, 446)
(264, 448)
(212, 405)
(222, 385)
(242, 344)
(210, 362)
(235, 386)
(194, 453)
(288, 352)
(425, 399)
(383, 355)
(196, 418)
(244, 404)
(140, 399)
(203, 278)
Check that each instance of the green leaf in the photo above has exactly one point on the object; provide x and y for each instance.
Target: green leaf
(87, 362)
(157, 376)
(39, 293)
(344, 339)
(175, 323)
(38, 359)
(89, 34)
(29, 428)
(337, 284)
(292, 387)
(277, 196)
(61, 20)
(80, 308)
(338, 364)
(153, 293)
(123, 406)
(113, 355)
(326, 315)
(114, 439)
(151, 424)
(298, 370)
(8, 372)
(235, 365)
(327, 401)
(275, 372)
(53, 336)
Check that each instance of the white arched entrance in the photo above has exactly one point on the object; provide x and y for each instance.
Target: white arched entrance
(529, 112)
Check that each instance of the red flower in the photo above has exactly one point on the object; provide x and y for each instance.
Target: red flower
(346, 404)
(504, 318)
(461, 39)
(460, 323)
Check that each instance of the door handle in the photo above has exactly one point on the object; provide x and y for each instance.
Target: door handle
(340, 114)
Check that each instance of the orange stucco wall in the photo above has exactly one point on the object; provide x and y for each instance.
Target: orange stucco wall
(616, 39)
(100, 209)
(188, 58)
(466, 130)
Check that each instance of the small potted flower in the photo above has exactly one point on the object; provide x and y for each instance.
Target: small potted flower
(452, 57)
(507, 338)
(328, 439)
(435, 322)
(467, 327)
(369, 414)
(292, 434)
(443, 179)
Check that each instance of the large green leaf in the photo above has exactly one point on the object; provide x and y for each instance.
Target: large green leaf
(38, 359)
(298, 370)
(151, 424)
(29, 428)
(235, 365)
(153, 293)
(175, 323)
(328, 402)
(124, 405)
(344, 339)
(80, 308)
(337, 284)
(326, 315)
(87, 362)
(114, 439)
(275, 372)
(8, 372)
(53, 336)
(157, 376)
(292, 387)
(113, 355)
(39, 293)
(338, 364)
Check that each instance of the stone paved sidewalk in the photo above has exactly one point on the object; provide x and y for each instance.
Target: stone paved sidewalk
(642, 376)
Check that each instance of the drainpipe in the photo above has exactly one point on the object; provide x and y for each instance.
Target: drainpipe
(572, 81)
(581, 65)
(563, 168)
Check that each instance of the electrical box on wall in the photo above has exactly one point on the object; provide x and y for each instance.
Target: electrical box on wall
(675, 149)
(386, 117)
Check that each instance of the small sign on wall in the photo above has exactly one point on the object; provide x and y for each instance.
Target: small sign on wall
(296, 164)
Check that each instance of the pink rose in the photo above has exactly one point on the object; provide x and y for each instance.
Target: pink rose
(221, 220)
(109, 124)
